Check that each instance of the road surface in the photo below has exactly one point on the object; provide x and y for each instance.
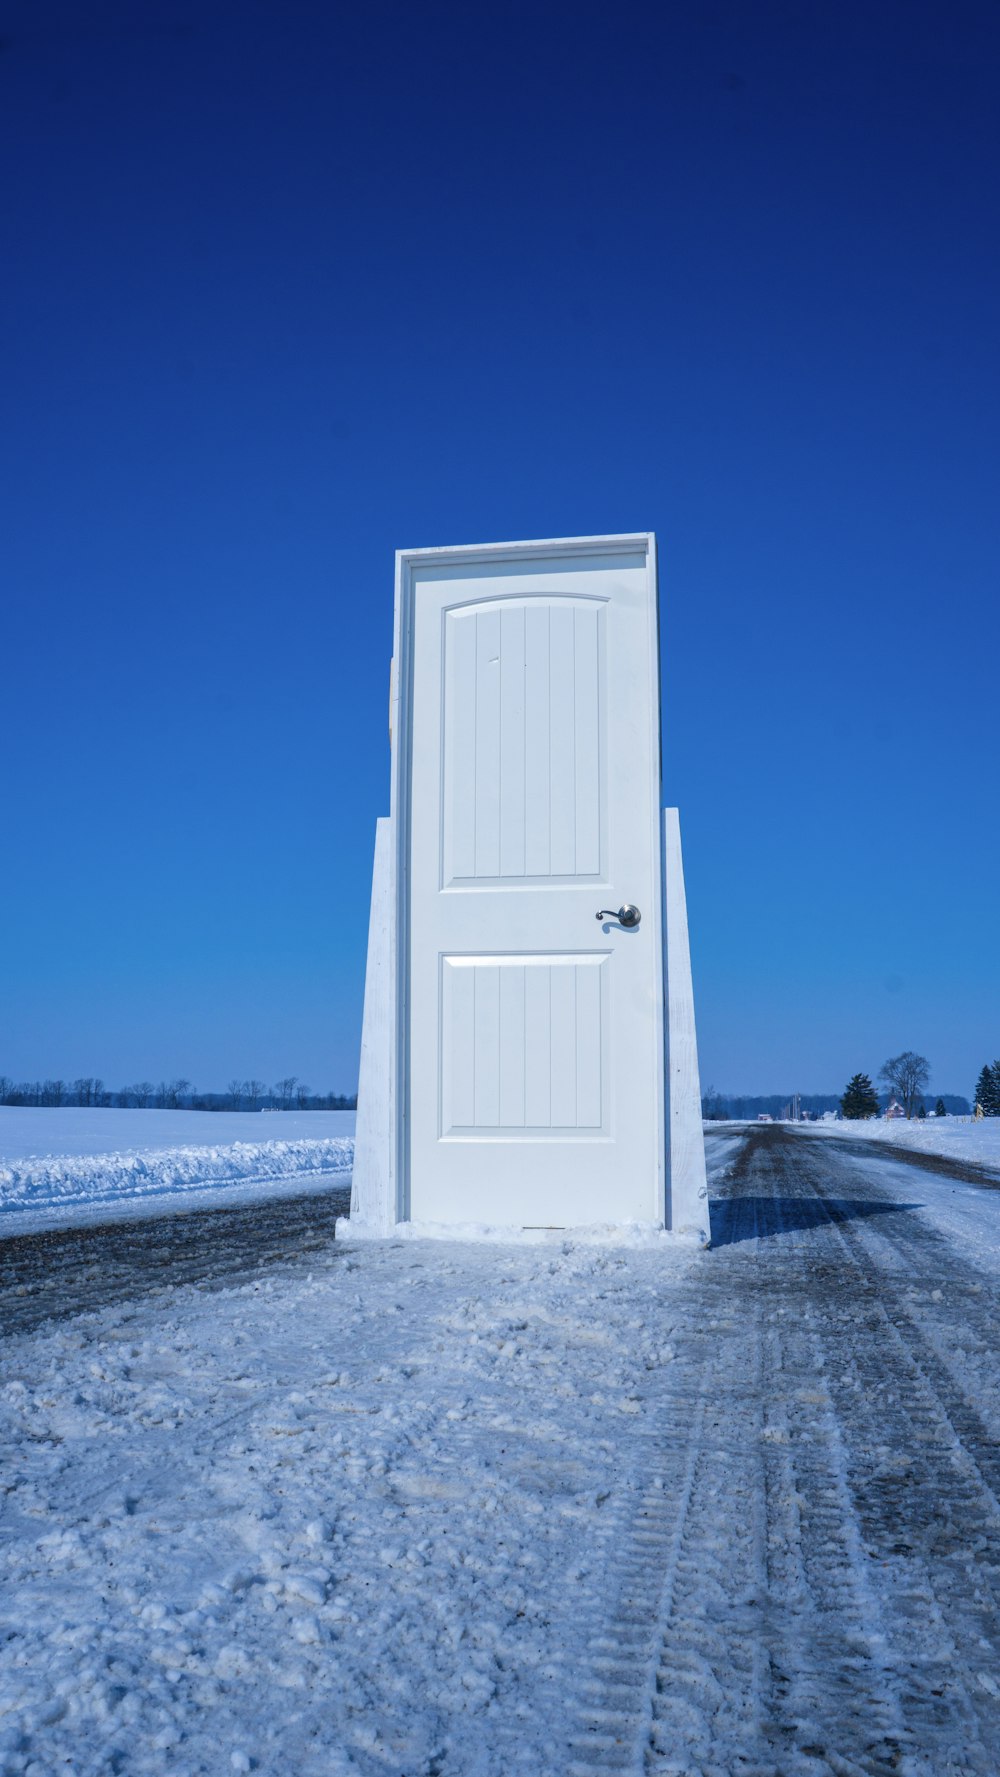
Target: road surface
(793, 1541)
(69, 1271)
(842, 1480)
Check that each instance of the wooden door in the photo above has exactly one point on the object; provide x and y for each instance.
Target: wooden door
(532, 1038)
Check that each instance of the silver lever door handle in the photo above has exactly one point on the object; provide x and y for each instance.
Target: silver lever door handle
(627, 916)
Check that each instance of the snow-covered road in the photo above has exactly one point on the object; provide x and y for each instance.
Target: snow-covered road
(495, 1511)
(61, 1272)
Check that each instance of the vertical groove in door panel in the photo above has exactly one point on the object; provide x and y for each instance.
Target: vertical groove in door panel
(512, 740)
(537, 741)
(488, 743)
(588, 1047)
(537, 1048)
(563, 1051)
(523, 1045)
(458, 991)
(524, 753)
(511, 1092)
(460, 755)
(487, 1047)
(587, 725)
(562, 732)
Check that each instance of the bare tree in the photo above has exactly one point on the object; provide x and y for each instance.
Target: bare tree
(170, 1092)
(6, 1088)
(302, 1095)
(234, 1093)
(142, 1092)
(53, 1092)
(284, 1091)
(83, 1091)
(124, 1098)
(100, 1096)
(253, 1092)
(906, 1075)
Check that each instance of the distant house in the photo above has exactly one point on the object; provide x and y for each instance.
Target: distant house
(762, 1117)
(893, 1109)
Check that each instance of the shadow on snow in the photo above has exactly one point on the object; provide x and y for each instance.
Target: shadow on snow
(754, 1218)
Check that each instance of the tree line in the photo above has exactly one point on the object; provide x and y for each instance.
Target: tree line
(741, 1106)
(904, 1079)
(906, 1076)
(290, 1094)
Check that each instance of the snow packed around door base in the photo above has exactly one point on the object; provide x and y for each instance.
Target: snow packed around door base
(331, 1523)
(61, 1167)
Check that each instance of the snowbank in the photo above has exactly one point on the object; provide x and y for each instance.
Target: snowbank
(59, 1181)
(958, 1138)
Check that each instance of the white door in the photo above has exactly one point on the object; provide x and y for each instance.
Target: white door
(532, 1046)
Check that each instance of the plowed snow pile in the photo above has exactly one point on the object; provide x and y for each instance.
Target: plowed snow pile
(958, 1138)
(64, 1166)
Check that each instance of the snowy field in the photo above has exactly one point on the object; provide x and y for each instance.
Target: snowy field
(443, 1510)
(60, 1168)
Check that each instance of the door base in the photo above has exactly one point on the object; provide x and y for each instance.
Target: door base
(376, 1211)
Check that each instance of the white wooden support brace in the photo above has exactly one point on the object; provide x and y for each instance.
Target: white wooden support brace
(372, 1193)
(687, 1185)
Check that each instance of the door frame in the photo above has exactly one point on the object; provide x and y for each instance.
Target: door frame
(549, 550)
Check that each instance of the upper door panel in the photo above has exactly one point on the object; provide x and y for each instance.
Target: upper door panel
(524, 741)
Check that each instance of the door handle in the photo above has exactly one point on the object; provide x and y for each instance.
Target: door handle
(627, 916)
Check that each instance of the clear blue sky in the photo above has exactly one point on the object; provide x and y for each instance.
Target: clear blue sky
(288, 285)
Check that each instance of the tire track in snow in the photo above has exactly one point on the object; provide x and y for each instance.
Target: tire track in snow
(925, 1494)
(912, 1448)
(773, 1593)
(72, 1271)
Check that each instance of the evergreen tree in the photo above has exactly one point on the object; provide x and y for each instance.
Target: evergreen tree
(988, 1092)
(939, 1110)
(859, 1098)
(923, 1109)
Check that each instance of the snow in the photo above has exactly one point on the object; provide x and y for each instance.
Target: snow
(957, 1138)
(424, 1507)
(649, 1234)
(722, 1144)
(68, 1167)
(27, 1133)
(329, 1523)
(967, 1214)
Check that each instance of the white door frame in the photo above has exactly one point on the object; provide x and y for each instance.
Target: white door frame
(576, 549)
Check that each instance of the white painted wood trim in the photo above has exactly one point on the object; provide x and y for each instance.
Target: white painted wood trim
(687, 1184)
(658, 912)
(469, 554)
(372, 1197)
